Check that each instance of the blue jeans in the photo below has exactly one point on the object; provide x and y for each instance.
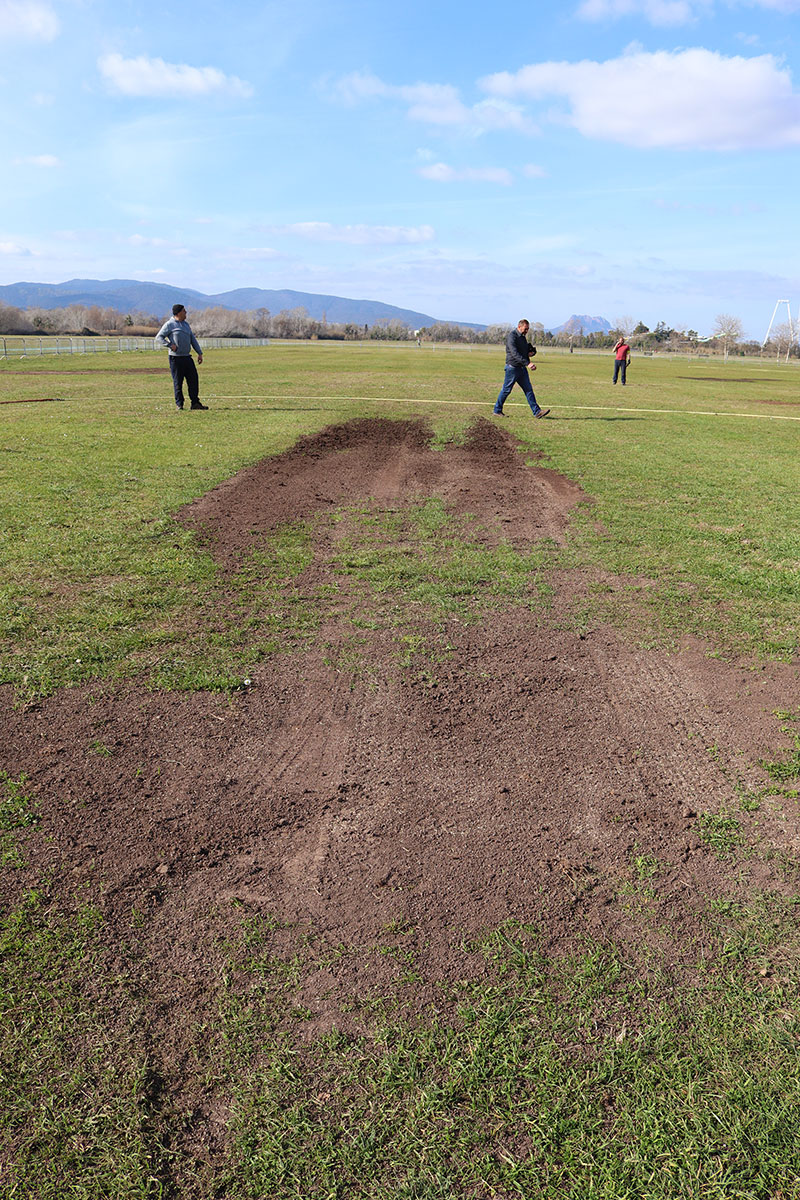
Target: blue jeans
(620, 367)
(520, 376)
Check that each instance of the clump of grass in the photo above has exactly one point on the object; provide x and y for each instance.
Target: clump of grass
(723, 833)
(18, 810)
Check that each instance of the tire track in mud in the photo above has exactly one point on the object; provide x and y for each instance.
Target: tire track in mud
(516, 784)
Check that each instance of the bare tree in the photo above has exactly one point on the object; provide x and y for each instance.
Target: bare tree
(729, 330)
(782, 337)
(261, 322)
(624, 326)
(12, 320)
(495, 334)
(221, 322)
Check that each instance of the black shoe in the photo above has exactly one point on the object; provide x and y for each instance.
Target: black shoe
(199, 405)
(179, 407)
(541, 413)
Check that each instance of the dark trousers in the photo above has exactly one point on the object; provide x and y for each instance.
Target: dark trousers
(183, 368)
(620, 367)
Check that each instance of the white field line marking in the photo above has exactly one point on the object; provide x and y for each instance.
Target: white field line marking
(673, 412)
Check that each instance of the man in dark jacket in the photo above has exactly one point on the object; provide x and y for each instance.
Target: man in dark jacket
(518, 356)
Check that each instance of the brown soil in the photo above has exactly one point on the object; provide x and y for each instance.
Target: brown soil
(518, 779)
(730, 378)
(35, 400)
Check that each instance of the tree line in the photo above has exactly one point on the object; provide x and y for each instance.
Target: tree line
(94, 320)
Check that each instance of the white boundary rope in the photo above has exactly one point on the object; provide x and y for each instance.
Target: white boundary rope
(673, 412)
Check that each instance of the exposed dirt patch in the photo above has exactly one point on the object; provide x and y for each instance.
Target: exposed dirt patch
(390, 461)
(729, 378)
(520, 778)
(36, 400)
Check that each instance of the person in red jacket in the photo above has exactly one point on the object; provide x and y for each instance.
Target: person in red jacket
(622, 356)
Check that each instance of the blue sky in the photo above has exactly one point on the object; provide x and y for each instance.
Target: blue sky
(611, 157)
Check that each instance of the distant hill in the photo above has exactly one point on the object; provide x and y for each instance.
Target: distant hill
(129, 295)
(584, 324)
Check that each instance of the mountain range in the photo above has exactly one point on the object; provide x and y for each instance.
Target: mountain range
(131, 295)
(583, 325)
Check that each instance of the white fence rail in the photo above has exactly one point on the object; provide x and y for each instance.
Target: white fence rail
(38, 347)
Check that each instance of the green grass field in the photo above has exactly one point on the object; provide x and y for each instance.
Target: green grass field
(689, 1090)
(694, 482)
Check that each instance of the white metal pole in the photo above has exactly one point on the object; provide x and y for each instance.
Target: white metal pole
(772, 320)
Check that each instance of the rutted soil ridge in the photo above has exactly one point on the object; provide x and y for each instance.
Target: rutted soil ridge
(520, 783)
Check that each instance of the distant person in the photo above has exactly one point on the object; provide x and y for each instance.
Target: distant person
(176, 334)
(622, 356)
(518, 358)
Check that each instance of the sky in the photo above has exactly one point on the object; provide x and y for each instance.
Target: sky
(616, 158)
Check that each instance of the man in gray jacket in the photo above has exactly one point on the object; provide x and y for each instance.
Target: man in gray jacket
(518, 356)
(177, 335)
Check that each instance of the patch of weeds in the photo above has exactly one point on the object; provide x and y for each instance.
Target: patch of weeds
(17, 811)
(100, 748)
(567, 1078)
(762, 932)
(640, 890)
(423, 561)
(646, 866)
(165, 622)
(364, 622)
(785, 769)
(287, 553)
(721, 832)
(180, 675)
(398, 925)
(411, 644)
(76, 1091)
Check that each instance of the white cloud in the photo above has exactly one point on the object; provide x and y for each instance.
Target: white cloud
(781, 6)
(689, 99)
(38, 160)
(442, 173)
(361, 235)
(137, 239)
(259, 253)
(154, 77)
(532, 171)
(542, 244)
(14, 249)
(657, 12)
(671, 12)
(434, 103)
(28, 20)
